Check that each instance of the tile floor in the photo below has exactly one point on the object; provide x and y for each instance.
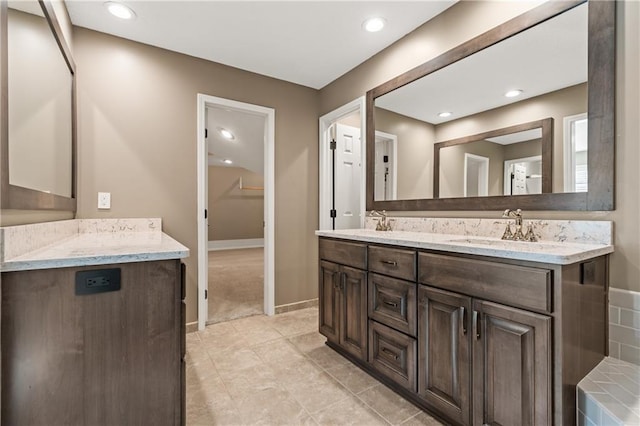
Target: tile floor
(277, 370)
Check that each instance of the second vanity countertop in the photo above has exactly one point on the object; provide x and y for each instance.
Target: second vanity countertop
(86, 242)
(560, 253)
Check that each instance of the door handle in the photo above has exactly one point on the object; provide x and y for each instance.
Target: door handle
(393, 304)
(463, 320)
(476, 326)
(390, 353)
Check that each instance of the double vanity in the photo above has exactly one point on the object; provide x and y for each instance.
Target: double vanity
(474, 329)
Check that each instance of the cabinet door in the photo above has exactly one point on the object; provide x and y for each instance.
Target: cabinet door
(512, 366)
(353, 321)
(329, 293)
(444, 341)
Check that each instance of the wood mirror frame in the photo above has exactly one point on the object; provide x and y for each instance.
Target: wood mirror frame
(601, 116)
(13, 197)
(546, 144)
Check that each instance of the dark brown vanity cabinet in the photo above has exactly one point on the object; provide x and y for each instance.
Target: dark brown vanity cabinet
(343, 291)
(474, 339)
(75, 357)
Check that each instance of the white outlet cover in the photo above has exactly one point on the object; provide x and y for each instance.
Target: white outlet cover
(104, 200)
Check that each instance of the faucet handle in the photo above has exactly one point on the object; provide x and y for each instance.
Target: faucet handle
(530, 234)
(508, 235)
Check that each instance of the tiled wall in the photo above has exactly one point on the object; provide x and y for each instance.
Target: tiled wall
(624, 325)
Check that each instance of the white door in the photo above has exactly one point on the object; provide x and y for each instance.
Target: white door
(519, 184)
(348, 176)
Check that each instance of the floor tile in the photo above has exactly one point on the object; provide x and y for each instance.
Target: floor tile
(391, 406)
(352, 377)
(326, 357)
(348, 412)
(317, 391)
(421, 419)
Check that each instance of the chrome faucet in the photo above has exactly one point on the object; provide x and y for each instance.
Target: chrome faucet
(517, 235)
(384, 223)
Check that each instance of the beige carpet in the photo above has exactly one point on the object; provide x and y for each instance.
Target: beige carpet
(236, 283)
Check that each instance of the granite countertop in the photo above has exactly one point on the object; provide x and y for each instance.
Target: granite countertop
(86, 242)
(554, 252)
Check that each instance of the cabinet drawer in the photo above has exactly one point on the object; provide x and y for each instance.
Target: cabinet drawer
(393, 302)
(520, 286)
(344, 253)
(393, 354)
(394, 262)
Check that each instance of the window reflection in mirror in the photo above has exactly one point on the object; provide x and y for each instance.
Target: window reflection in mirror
(547, 62)
(40, 104)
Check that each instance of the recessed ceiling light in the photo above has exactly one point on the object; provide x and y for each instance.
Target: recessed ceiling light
(373, 24)
(513, 93)
(227, 161)
(445, 114)
(226, 134)
(120, 10)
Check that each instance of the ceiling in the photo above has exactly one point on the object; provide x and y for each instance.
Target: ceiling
(310, 43)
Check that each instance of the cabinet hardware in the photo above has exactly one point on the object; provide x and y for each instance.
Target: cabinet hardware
(476, 326)
(394, 304)
(463, 320)
(390, 353)
(390, 262)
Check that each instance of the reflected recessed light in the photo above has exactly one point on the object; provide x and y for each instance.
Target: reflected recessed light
(120, 10)
(445, 114)
(226, 134)
(227, 161)
(373, 24)
(513, 93)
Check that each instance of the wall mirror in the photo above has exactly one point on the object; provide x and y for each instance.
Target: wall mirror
(38, 110)
(559, 59)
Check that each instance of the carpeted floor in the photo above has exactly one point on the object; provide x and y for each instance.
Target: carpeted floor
(236, 284)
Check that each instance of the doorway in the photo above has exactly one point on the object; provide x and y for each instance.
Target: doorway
(342, 172)
(237, 175)
(476, 175)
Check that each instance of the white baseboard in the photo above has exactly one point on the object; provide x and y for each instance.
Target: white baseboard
(236, 244)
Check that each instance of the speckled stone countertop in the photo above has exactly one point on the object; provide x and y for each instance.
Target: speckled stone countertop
(84, 242)
(564, 242)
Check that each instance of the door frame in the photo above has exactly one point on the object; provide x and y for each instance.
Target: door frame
(325, 122)
(484, 161)
(204, 101)
(393, 139)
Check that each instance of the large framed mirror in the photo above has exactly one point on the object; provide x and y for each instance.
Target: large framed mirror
(38, 111)
(559, 61)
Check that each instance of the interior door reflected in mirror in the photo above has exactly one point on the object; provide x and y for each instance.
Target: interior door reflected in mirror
(515, 160)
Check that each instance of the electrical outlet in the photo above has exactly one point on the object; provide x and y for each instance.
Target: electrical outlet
(104, 200)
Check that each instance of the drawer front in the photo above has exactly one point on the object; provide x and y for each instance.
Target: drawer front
(393, 354)
(344, 253)
(393, 302)
(397, 263)
(520, 286)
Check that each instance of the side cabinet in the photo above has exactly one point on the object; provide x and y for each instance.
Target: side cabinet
(75, 356)
(343, 298)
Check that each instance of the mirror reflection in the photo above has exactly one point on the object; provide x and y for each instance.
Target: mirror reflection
(544, 68)
(507, 161)
(40, 104)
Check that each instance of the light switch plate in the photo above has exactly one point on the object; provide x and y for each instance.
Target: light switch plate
(104, 200)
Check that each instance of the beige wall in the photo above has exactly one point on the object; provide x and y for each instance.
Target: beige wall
(452, 175)
(137, 132)
(415, 153)
(468, 19)
(235, 213)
